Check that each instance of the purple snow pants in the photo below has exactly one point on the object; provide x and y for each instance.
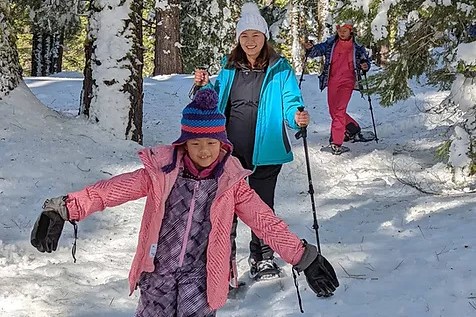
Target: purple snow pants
(172, 296)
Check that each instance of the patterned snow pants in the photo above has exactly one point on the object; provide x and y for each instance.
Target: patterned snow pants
(176, 295)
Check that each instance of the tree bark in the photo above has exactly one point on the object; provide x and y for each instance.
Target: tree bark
(112, 94)
(10, 70)
(167, 58)
(87, 90)
(135, 85)
(46, 52)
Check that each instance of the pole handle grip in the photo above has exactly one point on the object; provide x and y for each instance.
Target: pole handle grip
(302, 133)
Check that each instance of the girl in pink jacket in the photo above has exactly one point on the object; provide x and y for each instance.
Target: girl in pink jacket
(193, 189)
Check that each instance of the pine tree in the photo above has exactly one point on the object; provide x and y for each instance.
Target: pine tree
(112, 92)
(208, 31)
(10, 71)
(424, 40)
(297, 21)
(167, 59)
(50, 20)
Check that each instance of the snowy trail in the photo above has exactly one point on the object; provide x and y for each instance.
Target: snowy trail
(397, 251)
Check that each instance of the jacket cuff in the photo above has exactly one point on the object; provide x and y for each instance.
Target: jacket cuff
(57, 205)
(309, 255)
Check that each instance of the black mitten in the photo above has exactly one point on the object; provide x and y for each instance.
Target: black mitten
(320, 274)
(321, 277)
(49, 225)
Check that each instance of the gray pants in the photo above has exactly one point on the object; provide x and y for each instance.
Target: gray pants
(173, 295)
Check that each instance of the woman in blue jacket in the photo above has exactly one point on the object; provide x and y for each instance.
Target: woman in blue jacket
(259, 95)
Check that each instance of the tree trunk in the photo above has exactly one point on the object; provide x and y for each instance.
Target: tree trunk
(46, 53)
(10, 70)
(112, 94)
(297, 28)
(36, 49)
(87, 90)
(57, 53)
(135, 85)
(321, 10)
(167, 58)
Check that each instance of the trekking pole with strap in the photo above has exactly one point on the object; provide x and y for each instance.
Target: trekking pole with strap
(304, 63)
(327, 272)
(195, 88)
(303, 68)
(370, 106)
(302, 133)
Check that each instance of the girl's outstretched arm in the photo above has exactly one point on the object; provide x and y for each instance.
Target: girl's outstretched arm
(107, 193)
(266, 225)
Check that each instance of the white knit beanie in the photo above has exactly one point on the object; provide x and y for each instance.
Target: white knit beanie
(251, 19)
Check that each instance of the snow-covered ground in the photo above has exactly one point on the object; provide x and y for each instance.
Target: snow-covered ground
(397, 251)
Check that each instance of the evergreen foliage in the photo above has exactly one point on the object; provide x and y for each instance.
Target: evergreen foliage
(148, 16)
(208, 32)
(422, 36)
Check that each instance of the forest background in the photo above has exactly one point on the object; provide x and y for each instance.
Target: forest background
(116, 43)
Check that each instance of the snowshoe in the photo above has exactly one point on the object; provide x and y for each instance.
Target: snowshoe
(363, 136)
(264, 270)
(335, 149)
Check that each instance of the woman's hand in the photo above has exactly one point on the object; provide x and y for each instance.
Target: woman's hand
(201, 77)
(302, 118)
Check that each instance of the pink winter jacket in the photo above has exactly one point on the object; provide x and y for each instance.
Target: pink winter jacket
(233, 196)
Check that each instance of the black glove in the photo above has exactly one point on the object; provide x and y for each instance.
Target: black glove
(49, 225)
(320, 274)
(321, 277)
(308, 50)
(364, 71)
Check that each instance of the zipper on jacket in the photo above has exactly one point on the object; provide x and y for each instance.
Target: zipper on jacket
(188, 225)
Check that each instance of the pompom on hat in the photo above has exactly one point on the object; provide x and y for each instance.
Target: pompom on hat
(251, 19)
(201, 119)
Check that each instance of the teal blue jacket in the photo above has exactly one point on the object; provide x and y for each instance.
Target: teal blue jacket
(279, 99)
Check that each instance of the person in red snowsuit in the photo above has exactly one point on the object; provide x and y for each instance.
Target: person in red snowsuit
(344, 58)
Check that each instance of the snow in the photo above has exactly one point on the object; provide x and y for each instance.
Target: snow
(464, 142)
(380, 22)
(396, 250)
(467, 53)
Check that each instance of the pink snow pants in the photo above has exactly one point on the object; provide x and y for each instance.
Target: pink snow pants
(338, 96)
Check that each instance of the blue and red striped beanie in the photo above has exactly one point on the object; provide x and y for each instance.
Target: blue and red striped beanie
(201, 119)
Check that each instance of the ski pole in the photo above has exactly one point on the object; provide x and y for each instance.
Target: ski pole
(370, 105)
(302, 133)
(303, 69)
(302, 72)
